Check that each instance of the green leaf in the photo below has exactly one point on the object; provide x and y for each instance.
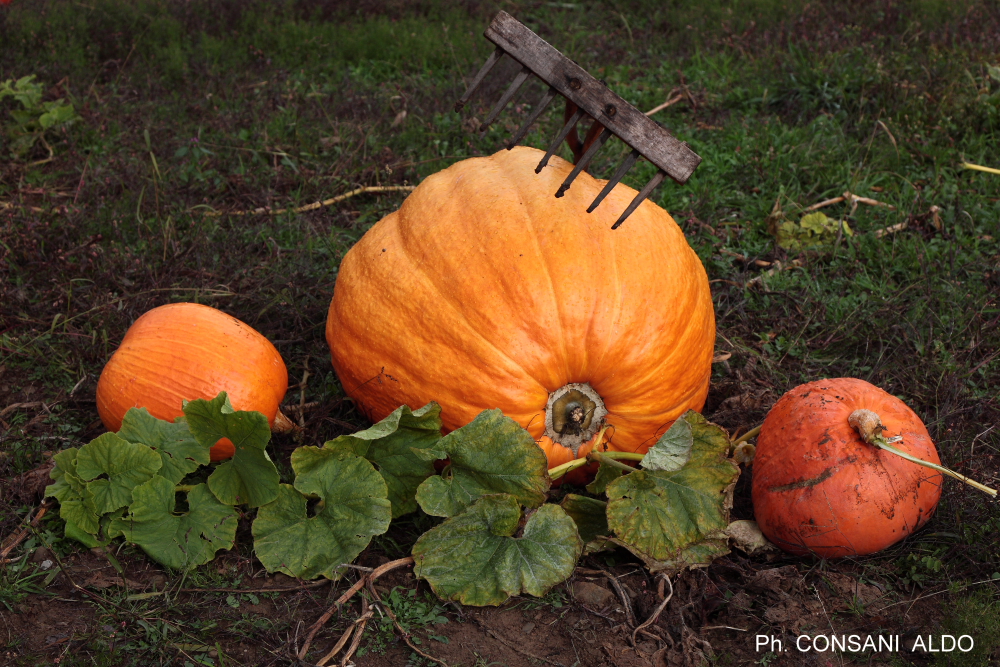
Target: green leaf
(591, 518)
(86, 537)
(678, 516)
(492, 454)
(249, 477)
(475, 559)
(353, 507)
(67, 484)
(605, 475)
(76, 502)
(179, 541)
(114, 467)
(672, 450)
(180, 452)
(397, 446)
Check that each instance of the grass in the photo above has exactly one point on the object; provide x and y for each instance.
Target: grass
(215, 107)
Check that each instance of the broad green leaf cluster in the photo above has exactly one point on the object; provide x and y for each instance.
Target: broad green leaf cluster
(128, 484)
(34, 117)
(498, 536)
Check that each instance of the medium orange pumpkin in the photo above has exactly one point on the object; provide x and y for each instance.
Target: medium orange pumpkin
(819, 488)
(184, 351)
(485, 291)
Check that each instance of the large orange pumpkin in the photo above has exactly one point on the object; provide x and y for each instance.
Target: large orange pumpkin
(485, 291)
(184, 351)
(819, 488)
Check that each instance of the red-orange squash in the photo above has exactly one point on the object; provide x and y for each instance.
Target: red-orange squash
(485, 291)
(819, 489)
(184, 351)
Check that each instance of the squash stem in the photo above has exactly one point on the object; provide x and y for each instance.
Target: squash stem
(184, 488)
(869, 426)
(880, 442)
(605, 459)
(560, 470)
(752, 433)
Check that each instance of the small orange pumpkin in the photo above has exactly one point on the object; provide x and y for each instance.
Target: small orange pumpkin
(184, 351)
(819, 488)
(485, 291)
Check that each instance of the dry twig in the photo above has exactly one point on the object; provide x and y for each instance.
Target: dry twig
(656, 613)
(335, 607)
(15, 540)
(315, 205)
(626, 603)
(670, 102)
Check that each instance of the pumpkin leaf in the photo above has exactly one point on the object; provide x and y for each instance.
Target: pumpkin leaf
(66, 483)
(353, 507)
(84, 536)
(591, 518)
(492, 454)
(672, 450)
(179, 450)
(394, 446)
(678, 517)
(475, 558)
(112, 468)
(250, 476)
(697, 554)
(605, 475)
(180, 541)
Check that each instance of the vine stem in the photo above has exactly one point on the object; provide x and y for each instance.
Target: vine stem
(869, 426)
(328, 614)
(752, 433)
(569, 466)
(602, 457)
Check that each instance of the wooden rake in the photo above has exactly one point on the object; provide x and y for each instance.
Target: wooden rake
(646, 137)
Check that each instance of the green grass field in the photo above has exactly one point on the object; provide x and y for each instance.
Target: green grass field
(184, 114)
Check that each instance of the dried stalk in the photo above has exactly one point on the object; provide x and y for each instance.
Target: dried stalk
(17, 538)
(335, 607)
(315, 205)
(659, 610)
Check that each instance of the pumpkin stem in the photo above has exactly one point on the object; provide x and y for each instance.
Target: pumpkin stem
(282, 424)
(573, 415)
(869, 426)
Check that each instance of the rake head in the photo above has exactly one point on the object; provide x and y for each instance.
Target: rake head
(586, 96)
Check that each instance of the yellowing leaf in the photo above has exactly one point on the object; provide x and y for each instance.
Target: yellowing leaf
(678, 517)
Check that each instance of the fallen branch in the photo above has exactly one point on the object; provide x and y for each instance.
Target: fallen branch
(335, 607)
(315, 205)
